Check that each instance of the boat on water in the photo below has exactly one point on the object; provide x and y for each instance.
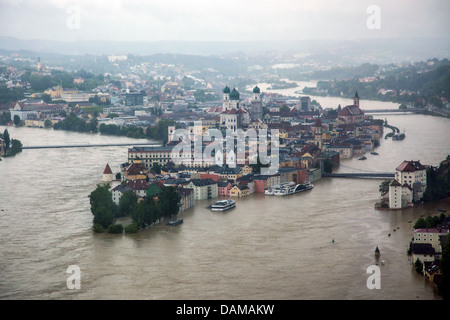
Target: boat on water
(398, 136)
(174, 222)
(223, 205)
(374, 153)
(271, 191)
(290, 188)
(362, 158)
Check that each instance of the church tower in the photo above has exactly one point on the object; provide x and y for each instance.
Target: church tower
(356, 99)
(226, 99)
(234, 99)
(256, 105)
(318, 131)
(39, 67)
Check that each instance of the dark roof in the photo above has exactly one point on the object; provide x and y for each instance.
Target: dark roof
(256, 90)
(227, 170)
(234, 95)
(395, 183)
(150, 149)
(226, 90)
(351, 110)
(122, 188)
(410, 166)
(422, 248)
(203, 182)
(223, 184)
(107, 170)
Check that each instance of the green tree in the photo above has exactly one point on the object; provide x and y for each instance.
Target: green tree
(132, 228)
(46, 98)
(5, 118)
(384, 187)
(47, 123)
(444, 286)
(418, 266)
(420, 224)
(16, 120)
(127, 203)
(169, 201)
(103, 216)
(141, 215)
(115, 228)
(6, 139)
(157, 167)
(327, 165)
(102, 206)
(284, 109)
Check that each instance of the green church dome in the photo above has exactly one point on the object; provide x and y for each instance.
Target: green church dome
(234, 95)
(256, 90)
(226, 90)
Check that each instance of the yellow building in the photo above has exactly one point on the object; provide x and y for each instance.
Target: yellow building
(307, 160)
(240, 191)
(136, 171)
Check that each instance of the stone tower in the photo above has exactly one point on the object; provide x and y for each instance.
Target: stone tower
(356, 99)
(256, 105)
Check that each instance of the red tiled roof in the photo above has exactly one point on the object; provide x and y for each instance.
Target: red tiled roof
(350, 111)
(410, 166)
(107, 170)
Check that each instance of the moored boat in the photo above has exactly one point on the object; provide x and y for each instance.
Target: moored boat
(223, 205)
(174, 222)
(398, 136)
(291, 188)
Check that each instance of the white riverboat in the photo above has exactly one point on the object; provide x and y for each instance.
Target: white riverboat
(289, 188)
(223, 205)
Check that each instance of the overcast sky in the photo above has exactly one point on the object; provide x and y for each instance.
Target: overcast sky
(213, 20)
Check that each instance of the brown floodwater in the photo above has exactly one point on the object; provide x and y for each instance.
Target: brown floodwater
(265, 248)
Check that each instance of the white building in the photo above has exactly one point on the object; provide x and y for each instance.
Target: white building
(409, 184)
(414, 174)
(107, 174)
(118, 192)
(203, 189)
(431, 236)
(400, 196)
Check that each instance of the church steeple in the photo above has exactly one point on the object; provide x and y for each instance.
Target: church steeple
(356, 99)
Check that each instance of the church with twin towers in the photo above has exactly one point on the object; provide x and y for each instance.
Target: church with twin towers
(234, 115)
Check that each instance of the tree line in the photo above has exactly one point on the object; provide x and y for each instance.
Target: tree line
(144, 213)
(12, 146)
(73, 123)
(155, 132)
(438, 182)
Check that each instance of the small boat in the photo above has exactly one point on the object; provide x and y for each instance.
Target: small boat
(174, 222)
(223, 205)
(362, 158)
(377, 251)
(398, 136)
(374, 153)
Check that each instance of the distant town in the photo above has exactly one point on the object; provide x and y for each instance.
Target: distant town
(310, 140)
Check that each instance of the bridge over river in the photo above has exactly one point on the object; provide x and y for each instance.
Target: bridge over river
(407, 111)
(350, 172)
(91, 145)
